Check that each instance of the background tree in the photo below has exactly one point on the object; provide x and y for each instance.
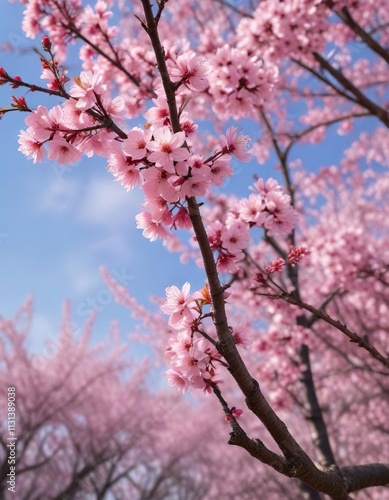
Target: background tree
(279, 64)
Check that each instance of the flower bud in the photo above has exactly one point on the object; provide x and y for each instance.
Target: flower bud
(46, 44)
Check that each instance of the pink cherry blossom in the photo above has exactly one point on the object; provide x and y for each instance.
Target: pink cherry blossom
(63, 152)
(159, 115)
(30, 147)
(137, 142)
(167, 148)
(152, 228)
(87, 86)
(124, 169)
(179, 304)
(236, 144)
(252, 210)
(235, 237)
(192, 71)
(177, 380)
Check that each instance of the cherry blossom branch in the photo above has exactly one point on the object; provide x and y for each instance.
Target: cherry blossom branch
(255, 447)
(282, 155)
(355, 338)
(101, 116)
(361, 98)
(233, 8)
(71, 27)
(299, 464)
(296, 136)
(325, 80)
(313, 412)
(36, 88)
(346, 17)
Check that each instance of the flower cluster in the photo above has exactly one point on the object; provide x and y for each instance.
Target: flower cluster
(162, 163)
(295, 255)
(77, 126)
(280, 29)
(240, 82)
(51, 70)
(269, 207)
(195, 362)
(190, 70)
(193, 358)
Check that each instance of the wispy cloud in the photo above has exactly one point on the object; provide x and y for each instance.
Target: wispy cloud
(106, 203)
(59, 197)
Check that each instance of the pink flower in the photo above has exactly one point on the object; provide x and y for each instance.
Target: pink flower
(136, 143)
(179, 304)
(236, 144)
(282, 223)
(124, 169)
(74, 117)
(236, 237)
(219, 170)
(166, 148)
(226, 263)
(87, 86)
(30, 147)
(177, 380)
(192, 71)
(297, 255)
(252, 210)
(195, 185)
(182, 219)
(236, 412)
(152, 229)
(159, 115)
(63, 151)
(242, 335)
(269, 186)
(114, 107)
(43, 123)
(276, 266)
(157, 183)
(283, 218)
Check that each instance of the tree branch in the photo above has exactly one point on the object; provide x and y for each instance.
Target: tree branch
(361, 98)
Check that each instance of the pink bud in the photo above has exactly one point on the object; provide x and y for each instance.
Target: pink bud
(46, 43)
(16, 79)
(237, 412)
(3, 76)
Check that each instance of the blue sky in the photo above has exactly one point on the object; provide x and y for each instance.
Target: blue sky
(58, 225)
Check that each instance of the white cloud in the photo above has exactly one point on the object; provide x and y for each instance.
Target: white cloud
(82, 272)
(59, 197)
(106, 203)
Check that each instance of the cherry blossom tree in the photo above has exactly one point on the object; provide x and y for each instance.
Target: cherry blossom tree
(88, 426)
(296, 267)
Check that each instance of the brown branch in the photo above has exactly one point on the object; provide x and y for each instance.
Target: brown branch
(325, 80)
(103, 118)
(296, 136)
(234, 9)
(347, 18)
(381, 113)
(359, 477)
(355, 338)
(115, 62)
(282, 155)
(37, 88)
